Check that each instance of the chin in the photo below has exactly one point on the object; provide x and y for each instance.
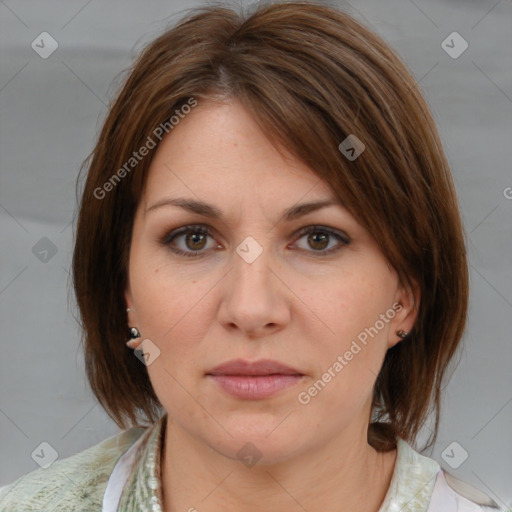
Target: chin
(259, 442)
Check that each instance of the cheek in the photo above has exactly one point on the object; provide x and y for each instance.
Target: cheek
(356, 328)
(166, 295)
(175, 312)
(352, 307)
(347, 363)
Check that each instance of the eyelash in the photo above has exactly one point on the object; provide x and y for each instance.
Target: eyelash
(200, 229)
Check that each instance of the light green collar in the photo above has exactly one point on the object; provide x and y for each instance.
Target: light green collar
(410, 489)
(412, 482)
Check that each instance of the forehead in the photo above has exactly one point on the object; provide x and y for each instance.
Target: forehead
(219, 151)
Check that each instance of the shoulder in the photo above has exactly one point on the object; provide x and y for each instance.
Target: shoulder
(419, 483)
(75, 483)
(460, 495)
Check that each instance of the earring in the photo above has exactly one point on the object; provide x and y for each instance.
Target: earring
(134, 334)
(402, 334)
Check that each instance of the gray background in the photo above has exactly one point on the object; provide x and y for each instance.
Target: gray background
(51, 112)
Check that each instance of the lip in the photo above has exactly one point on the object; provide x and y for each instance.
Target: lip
(261, 367)
(254, 380)
(255, 387)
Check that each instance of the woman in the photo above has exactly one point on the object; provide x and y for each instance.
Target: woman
(269, 213)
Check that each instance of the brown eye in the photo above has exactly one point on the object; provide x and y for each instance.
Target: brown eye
(319, 238)
(193, 240)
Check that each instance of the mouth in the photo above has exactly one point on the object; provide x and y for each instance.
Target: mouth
(263, 367)
(257, 380)
(255, 387)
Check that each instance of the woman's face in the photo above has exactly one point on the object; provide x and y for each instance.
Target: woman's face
(254, 285)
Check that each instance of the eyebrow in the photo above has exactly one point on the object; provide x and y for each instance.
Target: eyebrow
(209, 210)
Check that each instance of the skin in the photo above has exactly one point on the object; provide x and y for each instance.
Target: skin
(291, 304)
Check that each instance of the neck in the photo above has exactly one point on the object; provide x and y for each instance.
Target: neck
(346, 474)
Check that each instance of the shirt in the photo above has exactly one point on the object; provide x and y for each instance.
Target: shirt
(123, 473)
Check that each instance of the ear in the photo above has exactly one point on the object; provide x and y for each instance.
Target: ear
(132, 315)
(406, 306)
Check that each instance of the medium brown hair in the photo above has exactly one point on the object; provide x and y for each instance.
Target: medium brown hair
(310, 75)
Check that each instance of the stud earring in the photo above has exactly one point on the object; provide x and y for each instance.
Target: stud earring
(134, 333)
(402, 334)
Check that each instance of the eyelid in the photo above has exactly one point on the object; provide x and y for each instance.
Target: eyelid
(166, 240)
(320, 227)
(173, 233)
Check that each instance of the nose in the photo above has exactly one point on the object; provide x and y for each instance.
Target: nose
(254, 298)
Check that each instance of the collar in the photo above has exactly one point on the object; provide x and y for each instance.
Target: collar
(412, 482)
(143, 490)
(410, 489)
